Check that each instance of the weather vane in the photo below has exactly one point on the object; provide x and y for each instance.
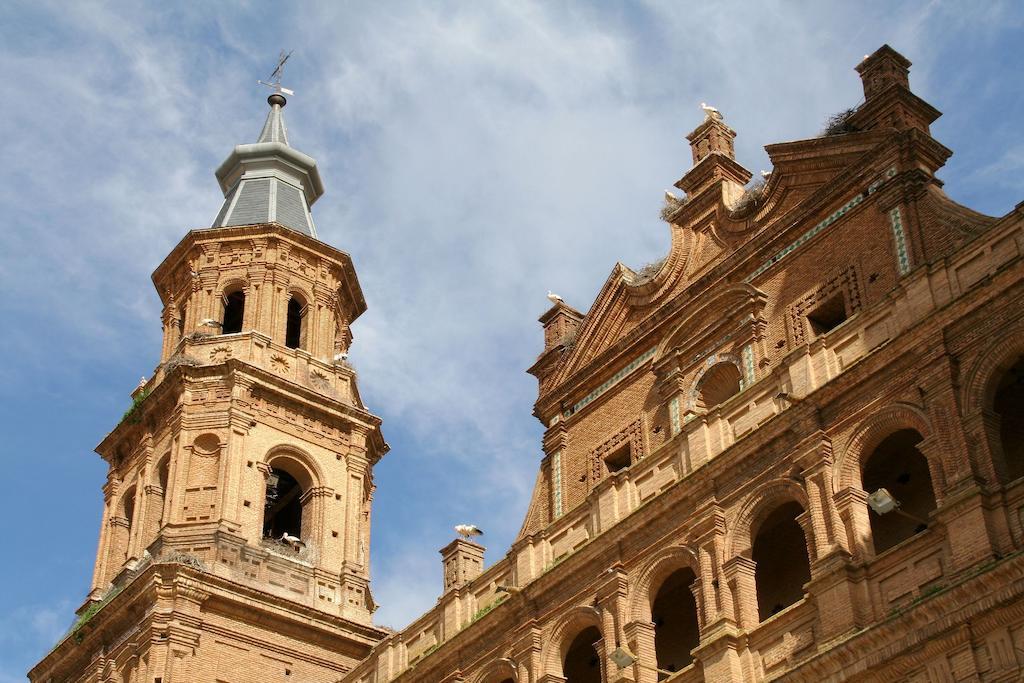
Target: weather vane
(274, 81)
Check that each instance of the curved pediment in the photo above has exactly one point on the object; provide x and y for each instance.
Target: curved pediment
(734, 302)
(627, 298)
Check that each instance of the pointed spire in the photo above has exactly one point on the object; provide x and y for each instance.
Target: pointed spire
(274, 129)
(269, 181)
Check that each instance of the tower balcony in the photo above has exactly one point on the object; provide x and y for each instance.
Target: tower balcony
(335, 380)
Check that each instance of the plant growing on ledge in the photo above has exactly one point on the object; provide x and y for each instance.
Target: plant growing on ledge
(134, 414)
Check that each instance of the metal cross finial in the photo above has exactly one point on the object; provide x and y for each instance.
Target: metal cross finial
(274, 81)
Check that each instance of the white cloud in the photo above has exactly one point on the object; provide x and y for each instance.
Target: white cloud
(474, 155)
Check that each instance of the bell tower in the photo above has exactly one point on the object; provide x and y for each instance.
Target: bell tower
(240, 483)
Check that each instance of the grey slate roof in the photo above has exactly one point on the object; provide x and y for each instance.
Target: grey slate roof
(268, 181)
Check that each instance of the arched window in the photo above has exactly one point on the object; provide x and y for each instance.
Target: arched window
(897, 466)
(295, 329)
(720, 383)
(1009, 405)
(282, 506)
(234, 310)
(674, 613)
(163, 472)
(181, 321)
(128, 507)
(582, 664)
(128, 512)
(783, 565)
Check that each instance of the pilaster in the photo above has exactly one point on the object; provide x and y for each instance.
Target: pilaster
(739, 575)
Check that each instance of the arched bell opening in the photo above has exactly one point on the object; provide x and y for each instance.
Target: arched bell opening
(234, 312)
(582, 663)
(782, 561)
(1009, 406)
(295, 327)
(674, 613)
(282, 506)
(898, 467)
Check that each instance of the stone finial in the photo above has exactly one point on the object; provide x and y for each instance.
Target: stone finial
(462, 561)
(883, 68)
(712, 137)
(560, 324)
(888, 101)
(714, 158)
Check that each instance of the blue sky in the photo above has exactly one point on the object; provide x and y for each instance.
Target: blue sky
(475, 155)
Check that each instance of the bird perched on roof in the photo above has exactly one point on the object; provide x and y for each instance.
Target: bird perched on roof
(671, 198)
(710, 112)
(294, 541)
(554, 298)
(468, 530)
(765, 174)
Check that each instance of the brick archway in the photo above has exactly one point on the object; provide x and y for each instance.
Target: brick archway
(564, 630)
(759, 505)
(298, 463)
(654, 573)
(496, 671)
(871, 432)
(980, 385)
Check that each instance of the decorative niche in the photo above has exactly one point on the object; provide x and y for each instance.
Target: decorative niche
(825, 308)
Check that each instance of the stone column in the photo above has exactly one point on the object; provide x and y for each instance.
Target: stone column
(233, 458)
(729, 599)
(206, 292)
(612, 600)
(824, 524)
(356, 467)
(609, 672)
(852, 505)
(314, 531)
(136, 525)
(981, 431)
(806, 522)
(824, 519)
(99, 573)
(257, 273)
(527, 652)
(640, 639)
(739, 575)
(170, 318)
(154, 512)
(720, 656)
(256, 535)
(320, 337)
(714, 592)
(174, 495)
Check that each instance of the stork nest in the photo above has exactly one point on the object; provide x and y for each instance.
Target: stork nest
(839, 123)
(751, 198)
(671, 208)
(180, 359)
(647, 273)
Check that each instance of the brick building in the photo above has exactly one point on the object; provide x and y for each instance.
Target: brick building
(792, 449)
